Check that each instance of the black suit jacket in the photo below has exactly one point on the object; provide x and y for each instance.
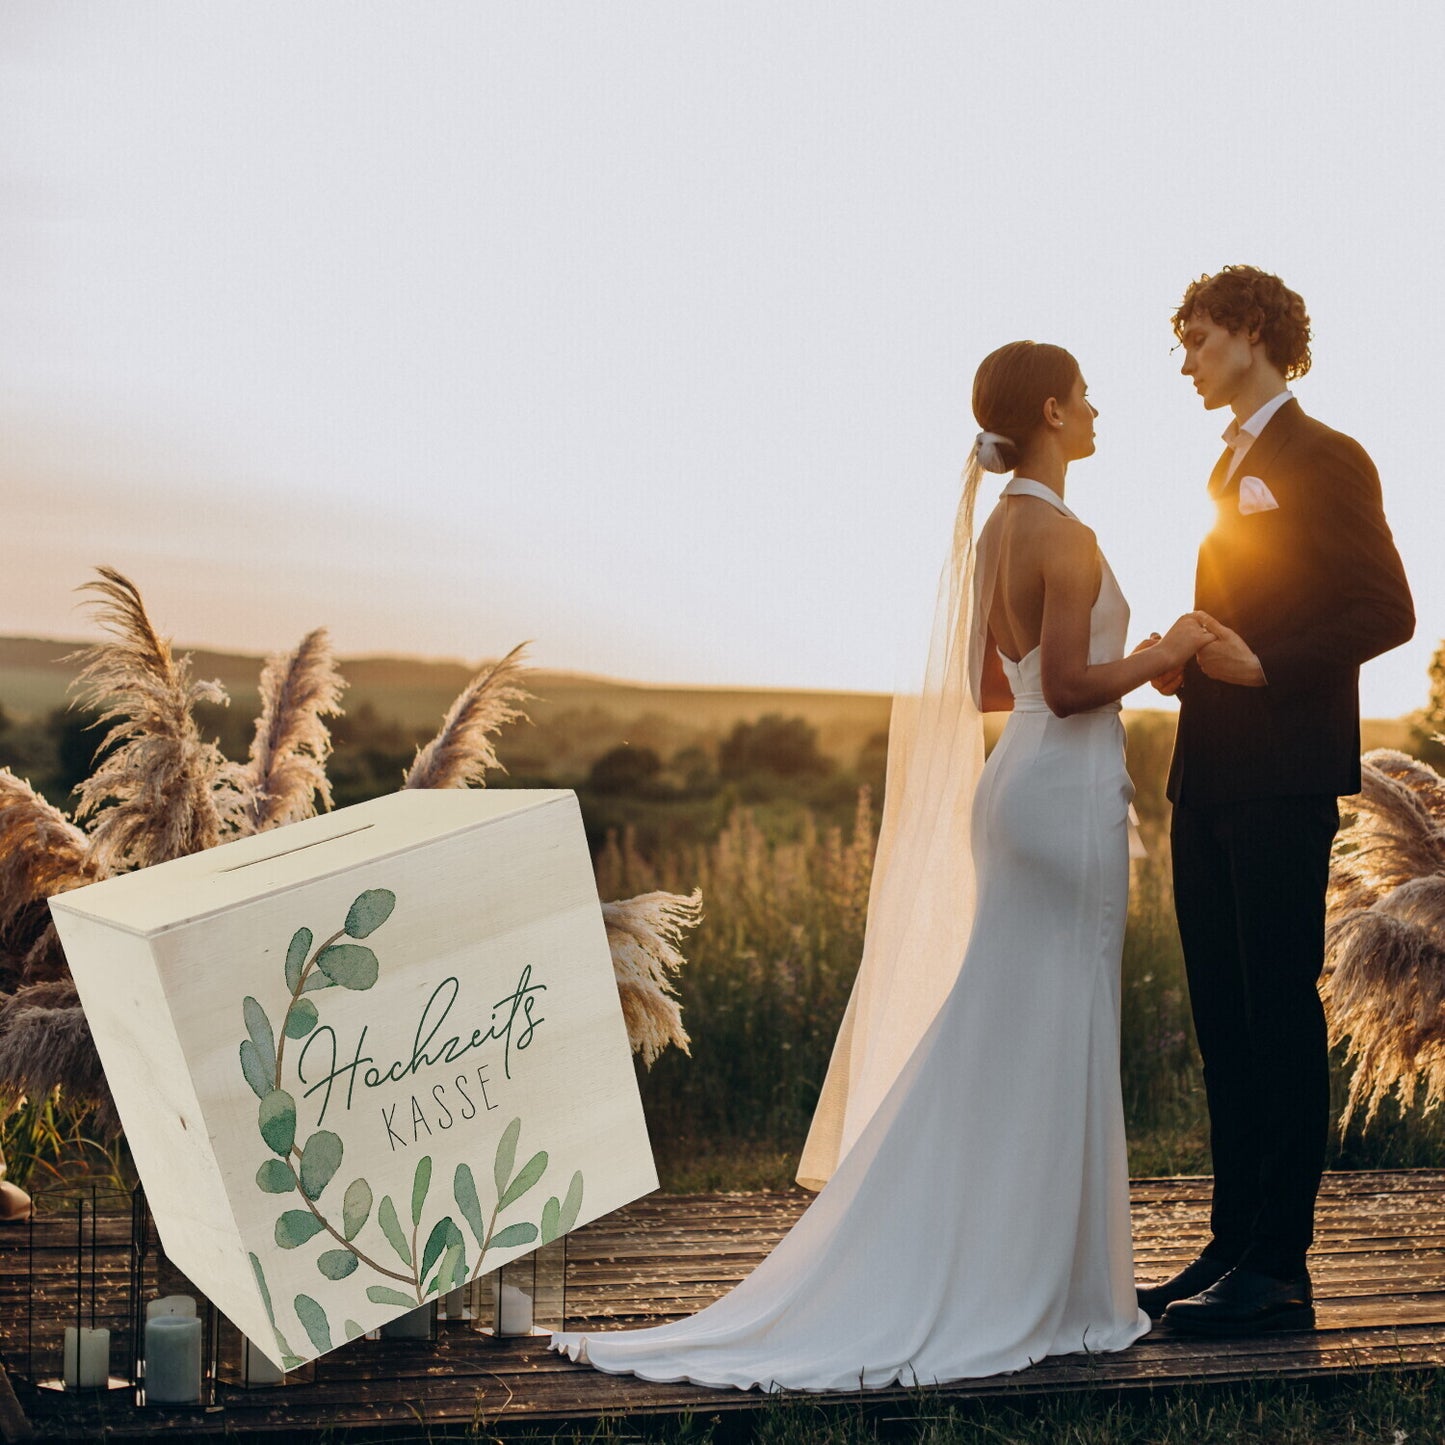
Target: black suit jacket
(1315, 587)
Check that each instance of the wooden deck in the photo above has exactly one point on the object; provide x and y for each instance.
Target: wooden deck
(1378, 1267)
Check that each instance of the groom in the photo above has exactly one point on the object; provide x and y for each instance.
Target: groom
(1301, 583)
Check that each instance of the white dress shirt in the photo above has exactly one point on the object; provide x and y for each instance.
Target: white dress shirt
(1241, 435)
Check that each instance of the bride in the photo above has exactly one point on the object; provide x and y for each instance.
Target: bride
(969, 1143)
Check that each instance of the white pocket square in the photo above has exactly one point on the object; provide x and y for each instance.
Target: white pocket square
(1254, 496)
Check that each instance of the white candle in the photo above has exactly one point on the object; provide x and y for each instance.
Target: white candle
(87, 1358)
(171, 1304)
(173, 1360)
(256, 1369)
(515, 1315)
(454, 1304)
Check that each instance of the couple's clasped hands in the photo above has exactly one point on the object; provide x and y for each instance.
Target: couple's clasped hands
(1220, 652)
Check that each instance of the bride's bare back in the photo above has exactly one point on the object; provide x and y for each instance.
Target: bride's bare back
(1032, 537)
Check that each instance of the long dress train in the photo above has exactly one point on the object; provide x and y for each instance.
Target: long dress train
(980, 1222)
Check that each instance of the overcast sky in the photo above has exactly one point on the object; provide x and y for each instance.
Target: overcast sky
(647, 331)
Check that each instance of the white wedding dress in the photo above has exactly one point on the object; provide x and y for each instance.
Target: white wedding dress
(980, 1220)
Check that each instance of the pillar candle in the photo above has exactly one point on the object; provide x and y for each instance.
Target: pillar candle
(515, 1314)
(173, 1360)
(87, 1358)
(171, 1304)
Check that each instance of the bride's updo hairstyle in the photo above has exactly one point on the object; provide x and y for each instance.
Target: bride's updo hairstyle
(1009, 391)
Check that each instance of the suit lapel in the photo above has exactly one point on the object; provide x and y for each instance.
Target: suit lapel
(1220, 474)
(1278, 431)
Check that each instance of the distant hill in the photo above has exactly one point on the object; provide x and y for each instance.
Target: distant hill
(576, 717)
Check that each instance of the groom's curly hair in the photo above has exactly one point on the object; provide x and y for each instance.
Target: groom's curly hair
(1244, 298)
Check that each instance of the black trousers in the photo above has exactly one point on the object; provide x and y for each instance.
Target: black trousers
(1249, 890)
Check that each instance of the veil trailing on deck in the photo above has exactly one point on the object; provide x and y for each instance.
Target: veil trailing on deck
(921, 901)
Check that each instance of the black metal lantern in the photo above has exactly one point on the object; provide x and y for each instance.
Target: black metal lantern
(76, 1299)
(175, 1334)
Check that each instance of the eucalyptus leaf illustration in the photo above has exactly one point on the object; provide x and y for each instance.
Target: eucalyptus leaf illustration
(301, 1018)
(289, 1358)
(295, 1227)
(551, 1226)
(316, 979)
(349, 964)
(506, 1156)
(464, 1190)
(444, 1234)
(391, 1228)
(453, 1268)
(264, 1288)
(296, 957)
(572, 1205)
(420, 1183)
(277, 1117)
(313, 1317)
(320, 1159)
(528, 1175)
(337, 1263)
(380, 1294)
(370, 911)
(355, 1207)
(258, 1076)
(259, 1027)
(514, 1234)
(275, 1177)
(353, 1330)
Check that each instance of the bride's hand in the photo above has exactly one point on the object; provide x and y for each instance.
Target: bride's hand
(1165, 683)
(1182, 641)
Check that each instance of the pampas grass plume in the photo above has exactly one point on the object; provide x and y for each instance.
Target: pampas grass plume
(462, 752)
(643, 934)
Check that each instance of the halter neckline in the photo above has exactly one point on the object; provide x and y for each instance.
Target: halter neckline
(1027, 487)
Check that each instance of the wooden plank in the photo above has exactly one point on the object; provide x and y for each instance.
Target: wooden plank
(1379, 1268)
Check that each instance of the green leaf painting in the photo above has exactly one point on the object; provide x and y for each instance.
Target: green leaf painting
(313, 1317)
(514, 1234)
(464, 1190)
(337, 1263)
(275, 1177)
(506, 1156)
(277, 1117)
(355, 1208)
(572, 1205)
(391, 1228)
(258, 1076)
(369, 912)
(296, 957)
(262, 1038)
(349, 964)
(301, 1018)
(315, 980)
(353, 1330)
(320, 1159)
(551, 1220)
(380, 1294)
(421, 1182)
(529, 1174)
(295, 1227)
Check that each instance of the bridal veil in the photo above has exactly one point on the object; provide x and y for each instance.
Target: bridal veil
(921, 900)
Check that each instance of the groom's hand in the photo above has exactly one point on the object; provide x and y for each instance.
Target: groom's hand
(1229, 658)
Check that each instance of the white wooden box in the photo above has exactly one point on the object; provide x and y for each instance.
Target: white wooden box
(366, 1057)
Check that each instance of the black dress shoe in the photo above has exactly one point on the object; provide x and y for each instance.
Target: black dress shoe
(1205, 1271)
(1246, 1302)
